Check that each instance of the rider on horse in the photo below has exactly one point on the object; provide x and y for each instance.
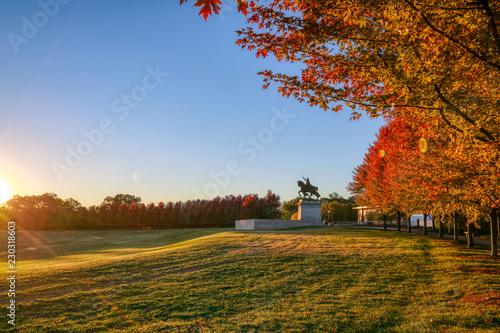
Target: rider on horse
(308, 188)
(308, 183)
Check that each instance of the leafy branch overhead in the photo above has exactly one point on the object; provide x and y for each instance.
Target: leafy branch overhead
(436, 58)
(378, 56)
(209, 6)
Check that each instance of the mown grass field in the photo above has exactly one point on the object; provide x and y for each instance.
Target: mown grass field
(303, 280)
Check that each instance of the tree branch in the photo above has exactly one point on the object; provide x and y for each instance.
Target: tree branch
(463, 115)
(486, 192)
(491, 23)
(451, 39)
(470, 7)
(441, 112)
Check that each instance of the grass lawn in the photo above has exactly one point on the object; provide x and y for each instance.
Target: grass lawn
(304, 280)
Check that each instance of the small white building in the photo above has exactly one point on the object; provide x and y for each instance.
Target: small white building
(420, 218)
(415, 218)
(362, 211)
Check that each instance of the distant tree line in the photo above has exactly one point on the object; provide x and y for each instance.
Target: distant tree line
(124, 211)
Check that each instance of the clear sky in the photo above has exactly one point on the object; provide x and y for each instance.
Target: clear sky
(146, 98)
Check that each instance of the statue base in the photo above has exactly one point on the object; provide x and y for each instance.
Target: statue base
(262, 224)
(309, 210)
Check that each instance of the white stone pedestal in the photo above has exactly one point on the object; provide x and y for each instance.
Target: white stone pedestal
(259, 224)
(309, 216)
(309, 210)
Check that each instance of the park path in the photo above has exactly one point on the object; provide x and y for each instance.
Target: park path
(477, 241)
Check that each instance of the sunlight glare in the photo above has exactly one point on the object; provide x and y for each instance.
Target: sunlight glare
(423, 145)
(5, 193)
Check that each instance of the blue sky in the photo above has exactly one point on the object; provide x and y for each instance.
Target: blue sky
(146, 98)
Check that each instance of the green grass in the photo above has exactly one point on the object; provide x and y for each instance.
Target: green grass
(302, 280)
(79, 246)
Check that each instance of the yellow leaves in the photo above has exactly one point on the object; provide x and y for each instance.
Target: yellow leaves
(404, 32)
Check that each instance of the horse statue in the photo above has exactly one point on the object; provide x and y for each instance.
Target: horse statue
(308, 188)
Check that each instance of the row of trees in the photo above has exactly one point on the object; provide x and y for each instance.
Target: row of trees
(49, 212)
(431, 68)
(420, 168)
(125, 211)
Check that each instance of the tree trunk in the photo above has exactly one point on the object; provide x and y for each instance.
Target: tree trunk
(455, 223)
(470, 239)
(449, 226)
(399, 221)
(493, 227)
(385, 222)
(498, 224)
(441, 235)
(425, 224)
(433, 224)
(409, 223)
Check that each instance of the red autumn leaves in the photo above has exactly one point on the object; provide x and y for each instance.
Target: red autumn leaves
(209, 6)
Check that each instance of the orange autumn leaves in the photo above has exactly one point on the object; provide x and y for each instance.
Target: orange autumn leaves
(396, 172)
(417, 167)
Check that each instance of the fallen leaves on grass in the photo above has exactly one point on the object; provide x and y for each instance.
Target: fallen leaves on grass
(481, 270)
(479, 257)
(491, 299)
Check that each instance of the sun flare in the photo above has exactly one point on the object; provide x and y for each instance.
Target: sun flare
(5, 193)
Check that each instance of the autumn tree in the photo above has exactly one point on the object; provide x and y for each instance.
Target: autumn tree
(5, 214)
(122, 199)
(436, 58)
(460, 177)
(375, 181)
(43, 212)
(338, 209)
(288, 208)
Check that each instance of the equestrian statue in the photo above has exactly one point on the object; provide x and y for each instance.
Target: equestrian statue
(307, 188)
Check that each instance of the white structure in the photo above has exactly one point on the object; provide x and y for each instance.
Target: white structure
(417, 220)
(309, 216)
(420, 218)
(261, 224)
(362, 211)
(309, 210)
